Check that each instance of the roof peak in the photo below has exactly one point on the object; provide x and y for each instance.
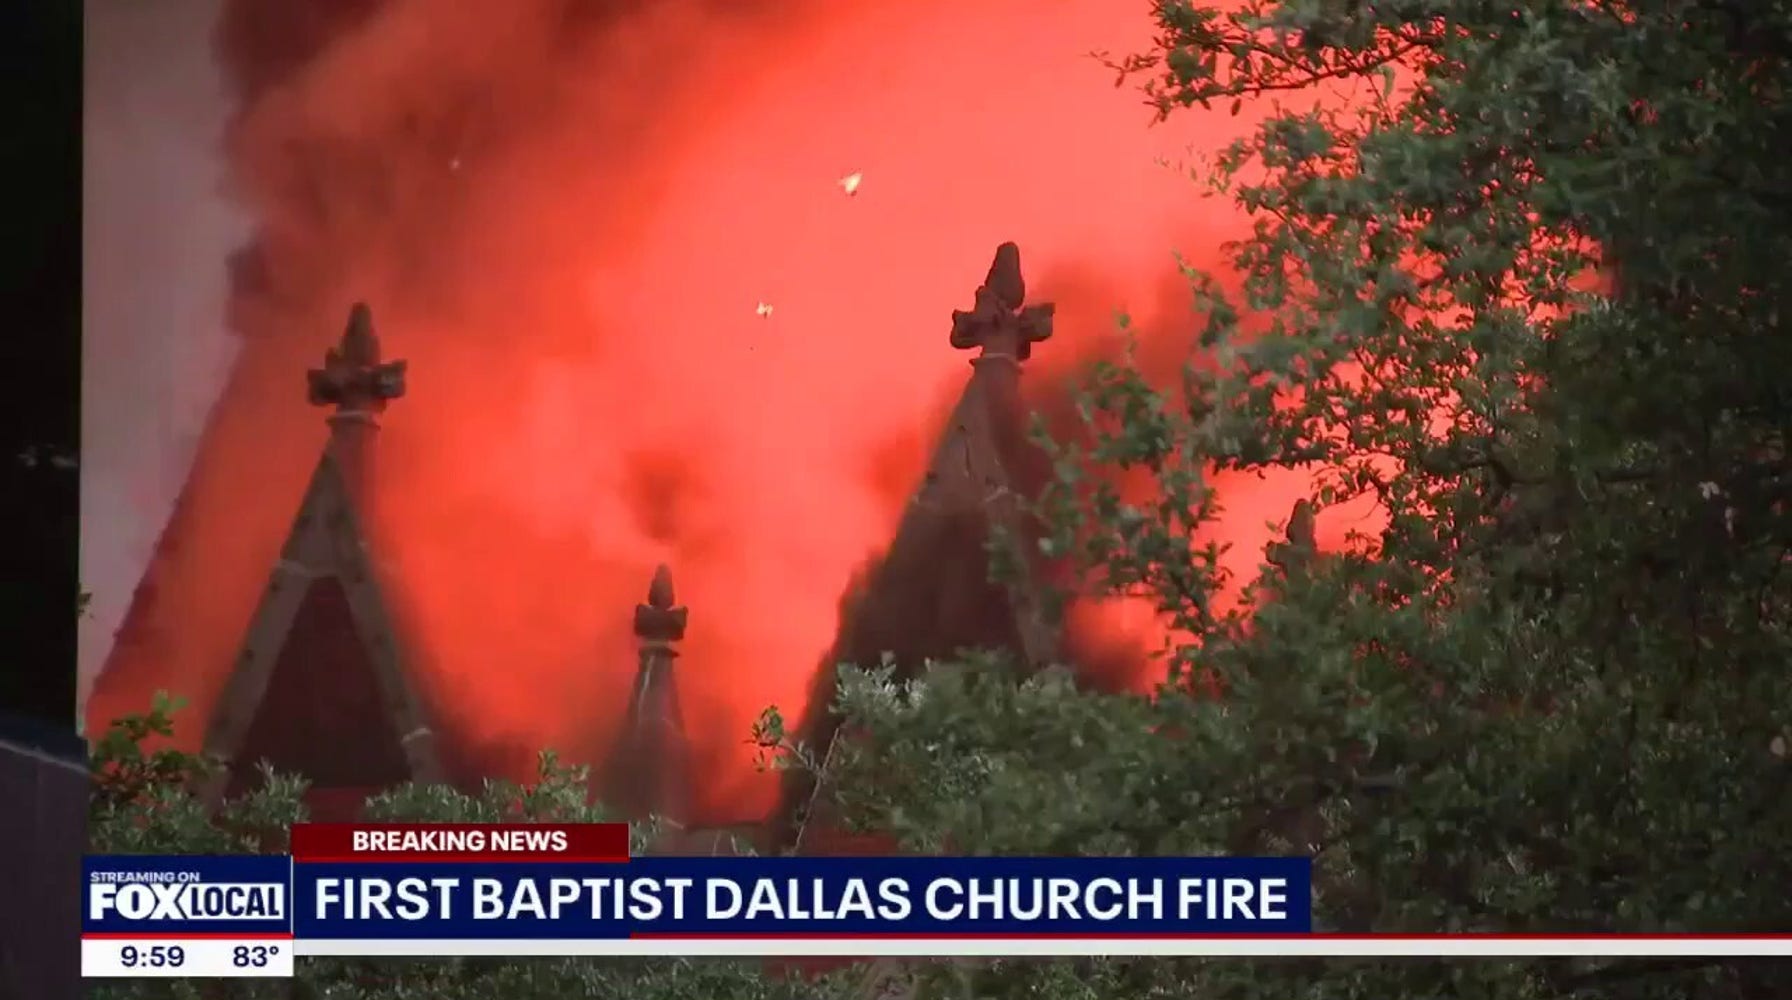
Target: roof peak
(1000, 322)
(353, 379)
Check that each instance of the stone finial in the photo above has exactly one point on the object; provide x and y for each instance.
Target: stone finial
(1000, 323)
(1301, 526)
(1300, 538)
(659, 620)
(353, 378)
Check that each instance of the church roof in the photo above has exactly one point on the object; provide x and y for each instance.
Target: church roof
(320, 686)
(931, 595)
(251, 468)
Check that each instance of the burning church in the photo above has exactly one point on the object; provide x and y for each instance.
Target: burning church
(566, 239)
(321, 685)
(324, 683)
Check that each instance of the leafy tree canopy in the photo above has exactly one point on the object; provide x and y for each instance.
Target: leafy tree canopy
(1515, 278)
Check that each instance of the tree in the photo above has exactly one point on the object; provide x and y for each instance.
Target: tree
(1516, 277)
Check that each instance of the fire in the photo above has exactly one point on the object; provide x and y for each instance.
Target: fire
(588, 397)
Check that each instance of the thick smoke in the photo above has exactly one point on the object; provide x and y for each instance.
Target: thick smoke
(157, 228)
(567, 216)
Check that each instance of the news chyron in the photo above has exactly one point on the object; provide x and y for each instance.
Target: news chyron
(176, 917)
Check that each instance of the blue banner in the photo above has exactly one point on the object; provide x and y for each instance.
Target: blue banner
(696, 897)
(803, 897)
(168, 896)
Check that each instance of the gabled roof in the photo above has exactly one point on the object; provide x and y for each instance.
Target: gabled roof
(320, 685)
(931, 595)
(322, 636)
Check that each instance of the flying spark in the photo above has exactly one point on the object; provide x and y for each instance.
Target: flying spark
(763, 309)
(850, 183)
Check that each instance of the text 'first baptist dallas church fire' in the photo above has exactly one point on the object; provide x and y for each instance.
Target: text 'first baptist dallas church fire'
(646, 899)
(643, 899)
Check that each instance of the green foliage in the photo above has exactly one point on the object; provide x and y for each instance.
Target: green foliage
(146, 799)
(124, 770)
(146, 802)
(1514, 283)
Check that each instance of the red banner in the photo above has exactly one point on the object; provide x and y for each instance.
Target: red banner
(389, 842)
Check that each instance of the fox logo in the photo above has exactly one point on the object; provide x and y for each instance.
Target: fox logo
(187, 901)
